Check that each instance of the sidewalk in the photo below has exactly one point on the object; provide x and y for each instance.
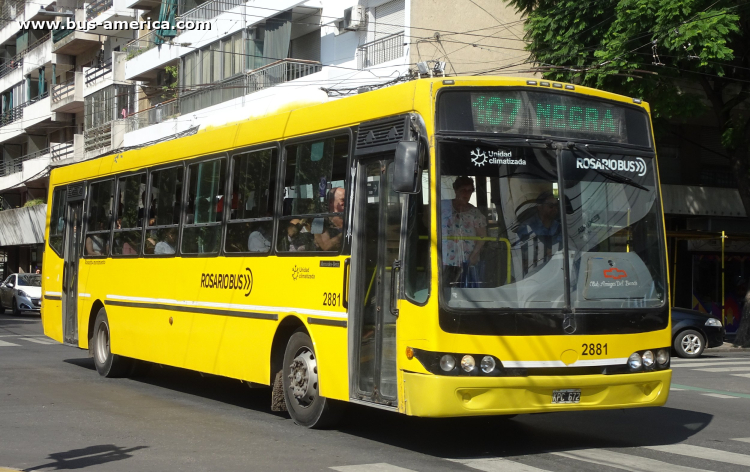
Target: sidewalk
(727, 346)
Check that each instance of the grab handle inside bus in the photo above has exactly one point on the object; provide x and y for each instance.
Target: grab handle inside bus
(345, 291)
(395, 272)
(406, 175)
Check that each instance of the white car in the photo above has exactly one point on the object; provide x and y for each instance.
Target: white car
(21, 293)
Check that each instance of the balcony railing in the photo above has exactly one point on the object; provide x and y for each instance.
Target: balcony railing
(138, 46)
(97, 8)
(156, 114)
(13, 9)
(98, 138)
(210, 10)
(17, 61)
(63, 90)
(275, 73)
(14, 114)
(380, 51)
(61, 151)
(15, 165)
(96, 73)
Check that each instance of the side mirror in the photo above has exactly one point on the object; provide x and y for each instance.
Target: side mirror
(406, 176)
(10, 285)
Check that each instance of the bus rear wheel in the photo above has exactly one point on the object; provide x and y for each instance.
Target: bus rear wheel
(301, 388)
(107, 364)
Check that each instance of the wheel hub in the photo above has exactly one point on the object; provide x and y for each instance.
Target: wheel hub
(691, 344)
(304, 377)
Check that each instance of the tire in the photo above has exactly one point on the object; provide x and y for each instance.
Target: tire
(14, 306)
(300, 377)
(107, 364)
(689, 344)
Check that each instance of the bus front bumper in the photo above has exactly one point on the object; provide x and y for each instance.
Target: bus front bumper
(437, 396)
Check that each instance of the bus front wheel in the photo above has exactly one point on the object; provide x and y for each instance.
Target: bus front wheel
(107, 364)
(301, 388)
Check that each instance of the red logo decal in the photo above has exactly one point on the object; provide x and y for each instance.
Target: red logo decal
(615, 273)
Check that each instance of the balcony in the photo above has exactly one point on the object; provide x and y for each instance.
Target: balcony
(275, 73)
(104, 138)
(140, 45)
(67, 97)
(156, 114)
(111, 71)
(73, 42)
(17, 170)
(210, 10)
(380, 51)
(101, 11)
(145, 59)
(26, 62)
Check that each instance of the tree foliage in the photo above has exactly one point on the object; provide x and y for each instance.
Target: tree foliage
(687, 58)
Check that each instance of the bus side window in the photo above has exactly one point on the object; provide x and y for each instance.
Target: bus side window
(99, 218)
(57, 220)
(314, 196)
(201, 232)
(250, 226)
(131, 208)
(165, 195)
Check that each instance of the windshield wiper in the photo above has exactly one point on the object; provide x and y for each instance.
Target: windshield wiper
(495, 142)
(611, 175)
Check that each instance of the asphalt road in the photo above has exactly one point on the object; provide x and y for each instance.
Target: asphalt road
(57, 413)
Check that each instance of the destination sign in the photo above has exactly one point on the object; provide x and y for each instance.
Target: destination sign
(534, 113)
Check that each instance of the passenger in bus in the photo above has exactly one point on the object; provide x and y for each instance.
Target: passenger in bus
(298, 237)
(95, 243)
(541, 233)
(167, 243)
(460, 219)
(260, 239)
(332, 234)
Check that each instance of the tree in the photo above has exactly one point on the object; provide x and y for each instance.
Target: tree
(685, 57)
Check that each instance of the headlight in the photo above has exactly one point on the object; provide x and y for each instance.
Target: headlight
(662, 356)
(23, 294)
(634, 361)
(488, 364)
(467, 363)
(648, 358)
(447, 363)
(713, 322)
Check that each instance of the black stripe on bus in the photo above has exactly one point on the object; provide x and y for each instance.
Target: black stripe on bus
(53, 297)
(191, 309)
(325, 322)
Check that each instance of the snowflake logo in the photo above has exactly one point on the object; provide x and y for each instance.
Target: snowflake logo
(480, 157)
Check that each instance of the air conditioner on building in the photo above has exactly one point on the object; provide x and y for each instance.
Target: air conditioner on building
(354, 18)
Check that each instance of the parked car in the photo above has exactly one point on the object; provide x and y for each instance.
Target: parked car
(21, 293)
(693, 332)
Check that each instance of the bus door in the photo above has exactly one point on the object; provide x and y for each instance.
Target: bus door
(377, 230)
(71, 257)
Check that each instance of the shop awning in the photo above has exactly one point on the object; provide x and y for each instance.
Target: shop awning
(702, 201)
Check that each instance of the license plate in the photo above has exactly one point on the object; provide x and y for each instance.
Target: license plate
(572, 395)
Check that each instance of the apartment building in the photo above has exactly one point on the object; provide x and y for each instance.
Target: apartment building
(70, 94)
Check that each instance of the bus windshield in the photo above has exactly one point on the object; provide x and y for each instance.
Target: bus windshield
(505, 222)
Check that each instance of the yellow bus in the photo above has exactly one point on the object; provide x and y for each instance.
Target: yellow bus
(442, 247)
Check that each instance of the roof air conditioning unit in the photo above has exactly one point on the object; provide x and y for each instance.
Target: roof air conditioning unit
(354, 18)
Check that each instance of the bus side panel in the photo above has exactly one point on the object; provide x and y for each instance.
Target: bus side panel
(52, 272)
(52, 269)
(331, 349)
